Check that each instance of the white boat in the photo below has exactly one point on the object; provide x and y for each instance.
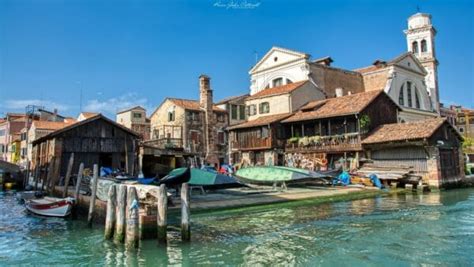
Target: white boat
(50, 206)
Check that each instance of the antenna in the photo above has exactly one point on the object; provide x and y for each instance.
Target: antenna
(256, 56)
(418, 9)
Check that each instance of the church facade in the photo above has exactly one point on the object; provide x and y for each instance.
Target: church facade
(410, 79)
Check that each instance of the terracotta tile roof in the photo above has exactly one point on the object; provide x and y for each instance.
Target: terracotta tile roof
(334, 107)
(280, 90)
(232, 99)
(404, 131)
(130, 109)
(51, 125)
(265, 120)
(191, 104)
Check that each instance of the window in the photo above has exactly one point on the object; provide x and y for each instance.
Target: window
(171, 115)
(220, 137)
(156, 133)
(2, 132)
(461, 129)
(194, 137)
(401, 97)
(265, 132)
(264, 108)
(137, 115)
(409, 97)
(220, 117)
(288, 81)
(2, 148)
(242, 112)
(193, 116)
(424, 47)
(277, 82)
(233, 111)
(251, 110)
(414, 47)
(417, 99)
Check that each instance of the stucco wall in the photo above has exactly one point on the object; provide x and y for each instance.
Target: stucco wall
(279, 104)
(329, 79)
(375, 80)
(160, 118)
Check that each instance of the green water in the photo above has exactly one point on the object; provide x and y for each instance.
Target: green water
(435, 229)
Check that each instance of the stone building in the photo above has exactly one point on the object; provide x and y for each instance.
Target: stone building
(235, 107)
(136, 120)
(432, 147)
(188, 131)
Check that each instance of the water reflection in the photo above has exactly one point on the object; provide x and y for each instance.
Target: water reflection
(403, 229)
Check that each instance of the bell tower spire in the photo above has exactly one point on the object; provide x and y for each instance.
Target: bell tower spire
(421, 42)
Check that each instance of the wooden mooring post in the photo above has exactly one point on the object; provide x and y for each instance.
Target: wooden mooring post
(119, 235)
(94, 181)
(78, 182)
(185, 210)
(161, 216)
(68, 174)
(111, 210)
(132, 234)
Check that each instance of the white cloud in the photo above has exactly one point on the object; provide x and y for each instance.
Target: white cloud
(112, 105)
(20, 104)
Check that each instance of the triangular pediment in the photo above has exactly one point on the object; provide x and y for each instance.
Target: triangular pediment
(277, 56)
(409, 61)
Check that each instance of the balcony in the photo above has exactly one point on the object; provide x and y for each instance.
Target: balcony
(252, 144)
(325, 144)
(166, 143)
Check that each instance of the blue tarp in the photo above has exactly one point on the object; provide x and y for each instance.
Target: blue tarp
(376, 181)
(344, 178)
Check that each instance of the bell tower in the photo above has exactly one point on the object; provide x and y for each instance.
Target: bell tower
(421, 42)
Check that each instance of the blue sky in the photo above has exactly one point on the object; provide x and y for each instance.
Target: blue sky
(123, 53)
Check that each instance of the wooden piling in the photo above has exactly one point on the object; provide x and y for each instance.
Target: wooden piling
(94, 181)
(121, 203)
(162, 217)
(37, 176)
(49, 174)
(78, 181)
(132, 238)
(68, 174)
(185, 213)
(111, 210)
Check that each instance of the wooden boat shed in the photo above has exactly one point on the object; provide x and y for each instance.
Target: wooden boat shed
(432, 148)
(95, 140)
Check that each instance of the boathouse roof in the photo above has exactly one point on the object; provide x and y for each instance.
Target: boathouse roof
(261, 121)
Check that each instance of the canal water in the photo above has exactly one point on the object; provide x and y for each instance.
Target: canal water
(435, 229)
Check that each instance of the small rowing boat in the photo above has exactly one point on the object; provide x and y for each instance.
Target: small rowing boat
(276, 174)
(50, 206)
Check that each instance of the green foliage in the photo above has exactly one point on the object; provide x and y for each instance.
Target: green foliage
(468, 144)
(364, 122)
(293, 140)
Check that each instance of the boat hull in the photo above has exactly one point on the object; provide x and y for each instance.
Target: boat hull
(271, 175)
(52, 207)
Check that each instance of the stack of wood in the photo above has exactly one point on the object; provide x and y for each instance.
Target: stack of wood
(399, 172)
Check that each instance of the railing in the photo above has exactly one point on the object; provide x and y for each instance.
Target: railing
(252, 143)
(166, 143)
(333, 143)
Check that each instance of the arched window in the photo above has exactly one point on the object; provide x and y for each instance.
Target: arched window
(401, 97)
(409, 96)
(171, 115)
(288, 81)
(417, 99)
(414, 47)
(277, 82)
(424, 47)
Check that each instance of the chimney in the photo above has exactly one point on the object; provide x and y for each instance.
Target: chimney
(210, 134)
(205, 92)
(55, 114)
(339, 92)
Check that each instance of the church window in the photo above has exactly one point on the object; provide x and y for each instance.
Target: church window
(277, 82)
(401, 97)
(417, 99)
(264, 108)
(414, 47)
(288, 81)
(409, 96)
(424, 47)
